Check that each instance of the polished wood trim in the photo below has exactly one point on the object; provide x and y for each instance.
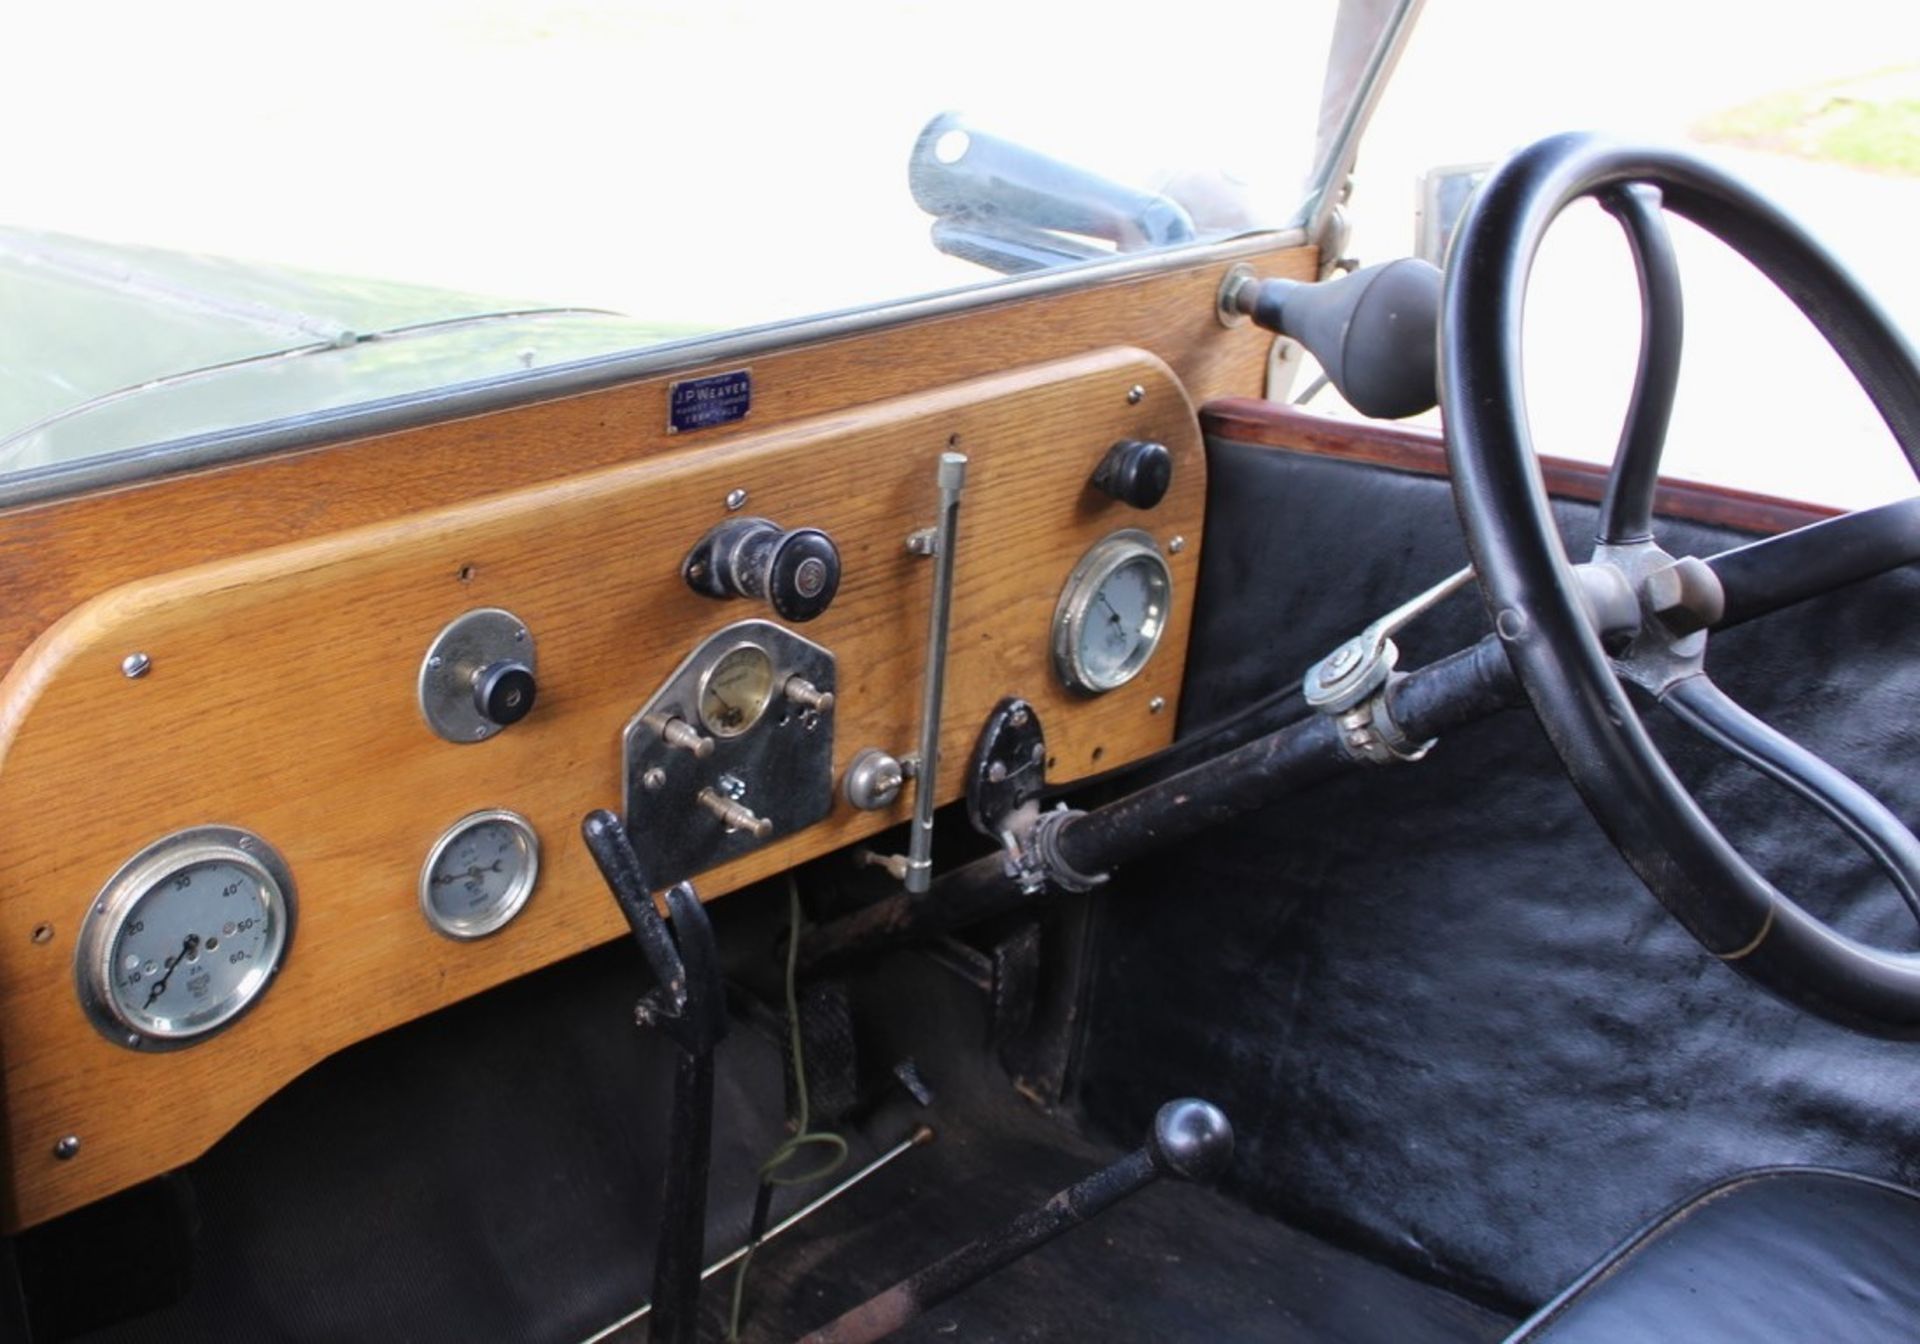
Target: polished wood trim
(281, 698)
(57, 554)
(1409, 448)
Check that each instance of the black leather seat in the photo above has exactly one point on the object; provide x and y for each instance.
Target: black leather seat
(1785, 1254)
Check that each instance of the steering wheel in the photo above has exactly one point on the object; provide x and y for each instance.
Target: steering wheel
(1578, 637)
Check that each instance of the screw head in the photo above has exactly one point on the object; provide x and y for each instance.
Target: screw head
(1176, 544)
(42, 934)
(135, 665)
(1155, 705)
(67, 1148)
(654, 778)
(1344, 660)
(1136, 394)
(736, 500)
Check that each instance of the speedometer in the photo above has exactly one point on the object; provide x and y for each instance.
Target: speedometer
(184, 938)
(1111, 613)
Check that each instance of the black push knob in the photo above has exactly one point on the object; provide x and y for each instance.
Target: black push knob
(503, 692)
(795, 572)
(1136, 472)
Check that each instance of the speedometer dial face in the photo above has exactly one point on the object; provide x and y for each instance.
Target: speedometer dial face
(184, 938)
(1112, 613)
(479, 874)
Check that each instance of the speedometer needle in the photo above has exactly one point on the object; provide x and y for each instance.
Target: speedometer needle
(160, 985)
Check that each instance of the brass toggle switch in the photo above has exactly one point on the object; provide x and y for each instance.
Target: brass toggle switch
(734, 815)
(808, 696)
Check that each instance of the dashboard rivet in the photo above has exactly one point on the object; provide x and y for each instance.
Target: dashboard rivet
(1155, 705)
(654, 778)
(1176, 544)
(736, 500)
(1136, 394)
(67, 1148)
(135, 665)
(42, 934)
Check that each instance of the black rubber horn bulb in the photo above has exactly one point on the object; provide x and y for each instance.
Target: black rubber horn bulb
(1375, 332)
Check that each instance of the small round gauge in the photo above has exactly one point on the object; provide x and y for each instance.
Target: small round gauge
(736, 689)
(184, 938)
(479, 874)
(1111, 613)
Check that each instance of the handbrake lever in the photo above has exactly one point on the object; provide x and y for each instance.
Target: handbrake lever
(689, 1004)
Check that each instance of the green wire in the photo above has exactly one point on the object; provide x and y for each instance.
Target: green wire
(802, 1137)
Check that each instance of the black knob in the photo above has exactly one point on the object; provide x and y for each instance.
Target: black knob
(796, 572)
(503, 692)
(1136, 472)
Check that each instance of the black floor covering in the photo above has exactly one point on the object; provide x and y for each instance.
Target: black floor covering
(489, 1174)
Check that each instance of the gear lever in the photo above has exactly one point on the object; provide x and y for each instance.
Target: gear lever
(1191, 1139)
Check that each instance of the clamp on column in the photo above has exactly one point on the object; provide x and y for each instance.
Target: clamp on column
(1354, 683)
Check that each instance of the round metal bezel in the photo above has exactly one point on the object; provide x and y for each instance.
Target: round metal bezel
(516, 895)
(141, 876)
(760, 711)
(465, 646)
(1102, 561)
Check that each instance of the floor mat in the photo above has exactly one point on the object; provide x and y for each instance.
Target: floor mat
(492, 1172)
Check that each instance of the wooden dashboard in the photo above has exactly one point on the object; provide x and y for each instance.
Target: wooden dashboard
(284, 606)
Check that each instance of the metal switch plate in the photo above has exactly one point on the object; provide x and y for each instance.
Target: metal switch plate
(780, 769)
(471, 641)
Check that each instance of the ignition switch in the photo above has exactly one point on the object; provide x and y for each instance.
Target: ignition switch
(795, 571)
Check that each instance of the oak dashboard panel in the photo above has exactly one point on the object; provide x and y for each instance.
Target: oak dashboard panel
(285, 695)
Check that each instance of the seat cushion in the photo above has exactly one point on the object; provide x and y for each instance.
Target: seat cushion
(1785, 1254)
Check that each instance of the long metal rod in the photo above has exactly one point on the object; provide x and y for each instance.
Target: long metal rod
(1428, 702)
(921, 1136)
(953, 481)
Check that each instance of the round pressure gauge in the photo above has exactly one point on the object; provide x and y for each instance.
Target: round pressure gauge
(1111, 613)
(736, 689)
(479, 874)
(184, 938)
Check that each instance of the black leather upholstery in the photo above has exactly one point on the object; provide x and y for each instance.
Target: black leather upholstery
(1787, 1254)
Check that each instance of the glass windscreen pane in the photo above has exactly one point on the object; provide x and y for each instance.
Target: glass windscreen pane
(212, 182)
(1820, 114)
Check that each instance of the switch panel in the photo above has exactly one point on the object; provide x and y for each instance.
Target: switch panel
(735, 750)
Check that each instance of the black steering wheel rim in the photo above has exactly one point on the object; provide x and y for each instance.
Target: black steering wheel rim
(1535, 598)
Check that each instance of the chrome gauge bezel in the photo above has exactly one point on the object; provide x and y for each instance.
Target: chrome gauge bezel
(143, 876)
(511, 904)
(1102, 561)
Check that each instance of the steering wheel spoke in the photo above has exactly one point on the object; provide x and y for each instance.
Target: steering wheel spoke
(1708, 711)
